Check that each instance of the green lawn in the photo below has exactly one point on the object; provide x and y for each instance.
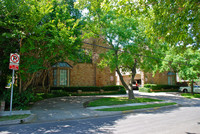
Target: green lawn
(190, 96)
(136, 107)
(13, 117)
(118, 101)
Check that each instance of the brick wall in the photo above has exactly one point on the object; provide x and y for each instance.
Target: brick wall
(88, 74)
(159, 78)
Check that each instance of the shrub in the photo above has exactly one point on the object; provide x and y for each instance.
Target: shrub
(144, 89)
(88, 88)
(75, 89)
(159, 87)
(112, 88)
(122, 91)
(149, 85)
(20, 101)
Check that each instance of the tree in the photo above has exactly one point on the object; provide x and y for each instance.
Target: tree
(185, 64)
(44, 32)
(129, 47)
(175, 22)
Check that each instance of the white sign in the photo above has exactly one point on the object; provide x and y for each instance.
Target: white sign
(14, 66)
(14, 58)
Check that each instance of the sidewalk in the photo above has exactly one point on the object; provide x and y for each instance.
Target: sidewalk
(71, 107)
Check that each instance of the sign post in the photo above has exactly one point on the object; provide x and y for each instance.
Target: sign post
(14, 65)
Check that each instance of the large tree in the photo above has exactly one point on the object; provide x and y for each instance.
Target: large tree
(173, 21)
(44, 32)
(186, 64)
(129, 48)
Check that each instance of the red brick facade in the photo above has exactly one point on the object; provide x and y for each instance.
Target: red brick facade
(85, 74)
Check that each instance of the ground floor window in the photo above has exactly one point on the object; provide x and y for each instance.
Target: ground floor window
(61, 77)
(171, 78)
(61, 74)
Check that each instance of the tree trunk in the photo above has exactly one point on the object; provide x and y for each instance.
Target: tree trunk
(26, 85)
(130, 91)
(43, 81)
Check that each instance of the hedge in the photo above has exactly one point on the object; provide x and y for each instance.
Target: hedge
(159, 87)
(88, 88)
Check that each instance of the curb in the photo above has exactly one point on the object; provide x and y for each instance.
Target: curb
(149, 109)
(18, 121)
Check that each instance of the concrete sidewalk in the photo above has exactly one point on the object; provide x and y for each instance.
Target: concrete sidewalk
(71, 107)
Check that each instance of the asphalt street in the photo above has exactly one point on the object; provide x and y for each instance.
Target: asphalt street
(184, 120)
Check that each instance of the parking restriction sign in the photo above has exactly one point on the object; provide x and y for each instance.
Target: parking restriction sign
(14, 65)
(14, 58)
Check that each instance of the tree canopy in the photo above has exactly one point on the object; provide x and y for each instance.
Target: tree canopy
(175, 22)
(42, 32)
(124, 34)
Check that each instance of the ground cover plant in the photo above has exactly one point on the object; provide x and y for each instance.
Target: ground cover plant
(118, 101)
(136, 107)
(190, 96)
(14, 117)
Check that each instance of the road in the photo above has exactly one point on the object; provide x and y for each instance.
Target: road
(181, 120)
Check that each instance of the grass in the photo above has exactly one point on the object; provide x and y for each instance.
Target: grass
(13, 117)
(136, 107)
(190, 96)
(118, 101)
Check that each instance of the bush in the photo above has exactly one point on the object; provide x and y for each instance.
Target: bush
(149, 85)
(87, 88)
(144, 89)
(159, 87)
(75, 89)
(20, 101)
(122, 91)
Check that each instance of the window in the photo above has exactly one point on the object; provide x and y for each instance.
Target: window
(171, 78)
(63, 77)
(61, 73)
(55, 77)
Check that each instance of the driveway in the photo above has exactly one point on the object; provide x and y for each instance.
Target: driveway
(63, 108)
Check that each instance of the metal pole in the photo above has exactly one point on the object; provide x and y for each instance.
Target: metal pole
(11, 98)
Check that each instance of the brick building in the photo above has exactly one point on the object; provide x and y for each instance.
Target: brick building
(164, 78)
(69, 73)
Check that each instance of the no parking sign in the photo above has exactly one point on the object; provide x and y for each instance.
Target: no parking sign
(14, 65)
(14, 61)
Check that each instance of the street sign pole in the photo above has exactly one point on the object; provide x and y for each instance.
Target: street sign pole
(11, 98)
(14, 65)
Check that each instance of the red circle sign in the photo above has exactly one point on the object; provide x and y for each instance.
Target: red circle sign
(14, 58)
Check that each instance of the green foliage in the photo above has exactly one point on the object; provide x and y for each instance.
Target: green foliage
(185, 63)
(173, 21)
(20, 101)
(144, 89)
(190, 96)
(159, 87)
(14, 117)
(118, 101)
(136, 107)
(88, 89)
(42, 32)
